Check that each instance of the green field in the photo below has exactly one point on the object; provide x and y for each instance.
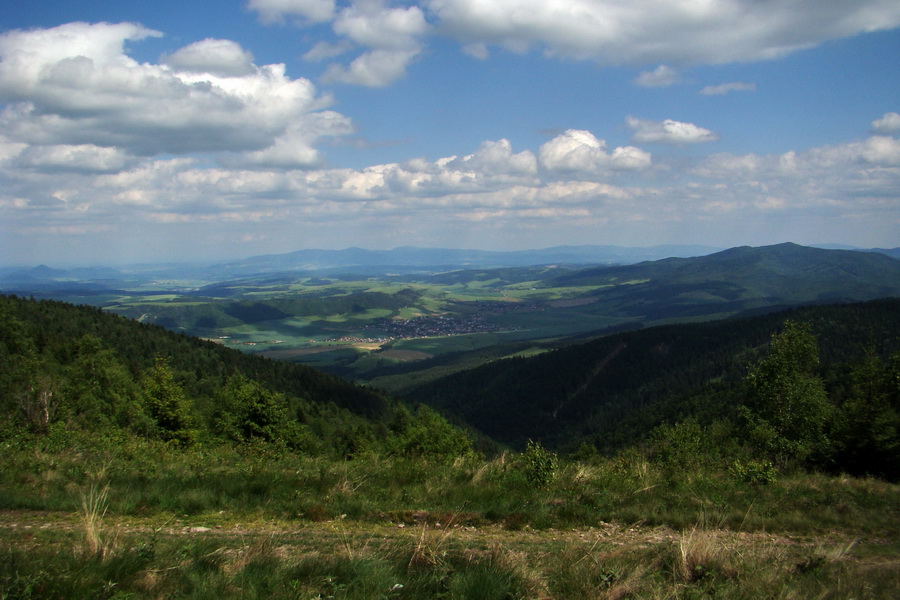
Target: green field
(331, 323)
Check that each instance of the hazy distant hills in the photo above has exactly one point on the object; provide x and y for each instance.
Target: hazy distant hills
(402, 260)
(409, 258)
(738, 279)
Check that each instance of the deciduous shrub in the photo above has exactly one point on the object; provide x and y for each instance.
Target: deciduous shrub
(538, 464)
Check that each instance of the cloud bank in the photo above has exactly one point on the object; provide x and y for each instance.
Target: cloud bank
(73, 85)
(608, 32)
(207, 147)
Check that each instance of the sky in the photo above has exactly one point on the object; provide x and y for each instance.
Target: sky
(205, 130)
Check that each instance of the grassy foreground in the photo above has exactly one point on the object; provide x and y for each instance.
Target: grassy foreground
(136, 519)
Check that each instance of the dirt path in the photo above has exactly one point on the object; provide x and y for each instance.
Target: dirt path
(28, 524)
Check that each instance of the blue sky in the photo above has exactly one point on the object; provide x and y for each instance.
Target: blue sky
(200, 130)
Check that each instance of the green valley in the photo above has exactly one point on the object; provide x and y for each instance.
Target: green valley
(368, 326)
(550, 433)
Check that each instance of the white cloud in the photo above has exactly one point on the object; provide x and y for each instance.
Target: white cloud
(888, 124)
(671, 32)
(654, 31)
(294, 149)
(668, 132)
(837, 167)
(661, 76)
(274, 11)
(393, 36)
(581, 152)
(85, 158)
(224, 58)
(73, 86)
(493, 191)
(370, 23)
(725, 88)
(881, 150)
(497, 158)
(324, 51)
(377, 68)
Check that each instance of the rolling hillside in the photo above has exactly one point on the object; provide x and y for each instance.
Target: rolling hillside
(770, 275)
(56, 327)
(612, 390)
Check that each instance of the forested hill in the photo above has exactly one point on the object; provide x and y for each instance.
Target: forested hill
(70, 373)
(780, 274)
(613, 390)
(57, 327)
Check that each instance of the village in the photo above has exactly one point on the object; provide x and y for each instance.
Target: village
(432, 326)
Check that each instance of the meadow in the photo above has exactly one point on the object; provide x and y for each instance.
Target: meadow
(133, 519)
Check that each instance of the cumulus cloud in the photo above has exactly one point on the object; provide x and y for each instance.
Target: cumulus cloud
(224, 58)
(310, 11)
(725, 88)
(567, 184)
(661, 76)
(654, 31)
(864, 161)
(74, 86)
(889, 124)
(294, 149)
(376, 68)
(371, 23)
(85, 158)
(581, 151)
(668, 132)
(496, 157)
(671, 32)
(393, 37)
(881, 150)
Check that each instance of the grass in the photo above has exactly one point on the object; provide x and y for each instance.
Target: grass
(278, 559)
(134, 519)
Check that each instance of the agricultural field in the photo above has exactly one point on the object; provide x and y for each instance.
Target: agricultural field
(358, 325)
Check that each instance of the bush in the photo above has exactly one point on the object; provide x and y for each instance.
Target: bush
(760, 472)
(426, 434)
(538, 464)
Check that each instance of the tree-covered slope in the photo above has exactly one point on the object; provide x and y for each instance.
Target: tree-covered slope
(55, 326)
(739, 279)
(613, 390)
(76, 368)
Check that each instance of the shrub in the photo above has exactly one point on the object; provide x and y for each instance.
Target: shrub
(538, 464)
(754, 471)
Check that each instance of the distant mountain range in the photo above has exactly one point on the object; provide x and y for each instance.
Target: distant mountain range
(402, 260)
(739, 279)
(412, 258)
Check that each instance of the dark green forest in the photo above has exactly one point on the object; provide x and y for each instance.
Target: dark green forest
(617, 390)
(729, 382)
(78, 368)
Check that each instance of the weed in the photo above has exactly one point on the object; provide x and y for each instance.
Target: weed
(430, 549)
(94, 504)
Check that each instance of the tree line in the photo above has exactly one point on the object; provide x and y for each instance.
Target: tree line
(77, 368)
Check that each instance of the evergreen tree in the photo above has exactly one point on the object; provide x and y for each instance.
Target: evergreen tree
(167, 405)
(99, 389)
(867, 426)
(247, 411)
